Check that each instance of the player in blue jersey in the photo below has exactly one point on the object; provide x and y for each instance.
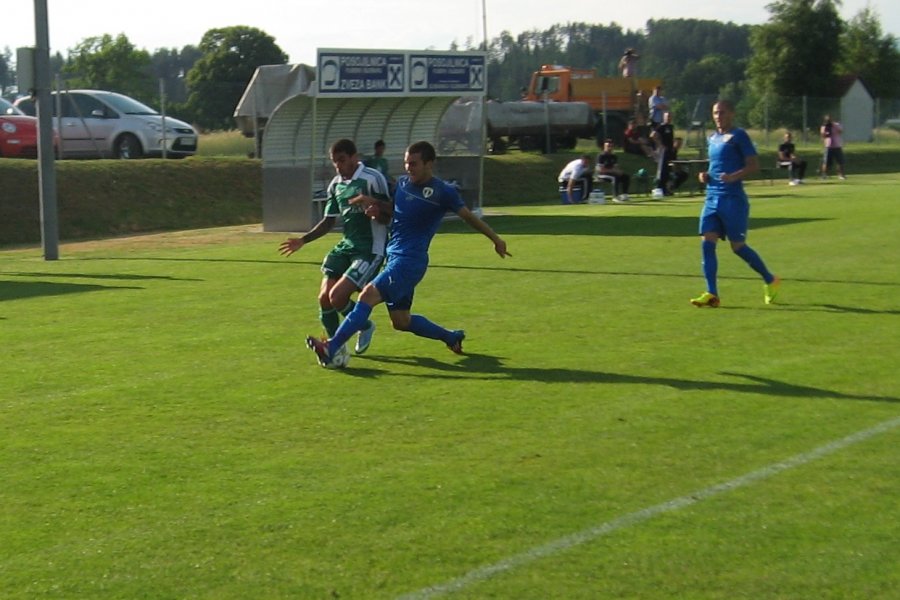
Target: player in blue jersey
(726, 212)
(420, 203)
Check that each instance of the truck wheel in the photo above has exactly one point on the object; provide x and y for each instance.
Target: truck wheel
(528, 143)
(497, 146)
(553, 145)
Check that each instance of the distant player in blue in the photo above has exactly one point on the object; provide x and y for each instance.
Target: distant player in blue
(726, 212)
(420, 203)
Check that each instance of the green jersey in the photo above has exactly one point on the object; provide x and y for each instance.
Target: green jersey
(362, 235)
(379, 163)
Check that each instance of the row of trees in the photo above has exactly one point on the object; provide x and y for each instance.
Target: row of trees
(202, 83)
(800, 51)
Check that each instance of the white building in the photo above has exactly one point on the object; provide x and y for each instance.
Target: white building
(857, 109)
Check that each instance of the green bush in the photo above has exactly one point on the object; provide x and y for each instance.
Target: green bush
(100, 198)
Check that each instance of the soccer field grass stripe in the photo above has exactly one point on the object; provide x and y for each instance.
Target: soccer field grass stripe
(570, 541)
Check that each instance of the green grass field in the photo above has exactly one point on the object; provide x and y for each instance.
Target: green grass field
(166, 434)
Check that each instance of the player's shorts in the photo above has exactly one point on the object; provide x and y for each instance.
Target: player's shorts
(358, 268)
(397, 282)
(729, 218)
(833, 155)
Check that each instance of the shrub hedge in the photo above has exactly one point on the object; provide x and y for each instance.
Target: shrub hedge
(101, 198)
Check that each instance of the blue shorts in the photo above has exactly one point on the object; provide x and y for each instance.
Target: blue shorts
(728, 217)
(397, 282)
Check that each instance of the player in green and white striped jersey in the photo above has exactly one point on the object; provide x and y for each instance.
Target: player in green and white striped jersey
(358, 256)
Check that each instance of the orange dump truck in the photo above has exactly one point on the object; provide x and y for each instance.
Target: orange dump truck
(610, 97)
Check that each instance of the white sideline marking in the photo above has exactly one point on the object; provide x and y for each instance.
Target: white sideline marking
(570, 541)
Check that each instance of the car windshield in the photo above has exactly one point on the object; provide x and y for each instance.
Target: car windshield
(128, 106)
(6, 108)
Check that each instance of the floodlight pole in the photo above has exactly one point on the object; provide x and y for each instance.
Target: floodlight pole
(46, 165)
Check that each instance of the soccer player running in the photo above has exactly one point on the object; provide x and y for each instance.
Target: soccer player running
(420, 203)
(726, 212)
(358, 256)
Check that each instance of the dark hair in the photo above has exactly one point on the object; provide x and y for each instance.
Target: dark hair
(728, 104)
(343, 146)
(424, 150)
(379, 144)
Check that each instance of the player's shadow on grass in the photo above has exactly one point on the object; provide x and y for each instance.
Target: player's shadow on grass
(609, 225)
(492, 368)
(113, 276)
(20, 290)
(835, 308)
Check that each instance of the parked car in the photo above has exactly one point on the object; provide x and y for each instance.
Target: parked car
(100, 124)
(18, 132)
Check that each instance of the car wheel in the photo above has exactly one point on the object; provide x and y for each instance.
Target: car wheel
(128, 147)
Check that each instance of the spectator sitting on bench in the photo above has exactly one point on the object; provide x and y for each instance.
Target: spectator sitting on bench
(636, 138)
(577, 173)
(787, 157)
(607, 165)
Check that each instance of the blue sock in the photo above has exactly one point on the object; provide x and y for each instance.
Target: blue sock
(756, 263)
(354, 322)
(345, 312)
(710, 265)
(422, 327)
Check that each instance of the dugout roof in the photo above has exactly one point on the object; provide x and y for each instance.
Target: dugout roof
(366, 95)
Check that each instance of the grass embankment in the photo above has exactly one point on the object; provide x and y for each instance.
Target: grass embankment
(100, 198)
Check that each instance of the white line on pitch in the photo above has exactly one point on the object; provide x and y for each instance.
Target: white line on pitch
(570, 541)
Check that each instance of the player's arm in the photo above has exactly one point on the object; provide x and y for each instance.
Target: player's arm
(379, 208)
(751, 166)
(291, 245)
(478, 225)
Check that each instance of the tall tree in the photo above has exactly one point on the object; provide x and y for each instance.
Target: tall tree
(108, 63)
(867, 52)
(230, 55)
(172, 65)
(676, 48)
(797, 51)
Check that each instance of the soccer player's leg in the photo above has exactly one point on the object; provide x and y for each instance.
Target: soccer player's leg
(361, 271)
(737, 222)
(333, 267)
(711, 229)
(399, 291)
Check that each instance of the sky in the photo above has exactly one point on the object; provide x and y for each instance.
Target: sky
(301, 26)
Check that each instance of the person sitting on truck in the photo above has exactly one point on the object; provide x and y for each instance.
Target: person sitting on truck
(628, 63)
(607, 164)
(577, 173)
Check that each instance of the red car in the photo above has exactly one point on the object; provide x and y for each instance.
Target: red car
(18, 132)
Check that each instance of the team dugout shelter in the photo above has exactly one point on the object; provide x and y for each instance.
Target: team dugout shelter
(398, 96)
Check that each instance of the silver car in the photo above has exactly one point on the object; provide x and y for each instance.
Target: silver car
(99, 124)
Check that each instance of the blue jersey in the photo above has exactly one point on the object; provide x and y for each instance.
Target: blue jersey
(418, 211)
(727, 153)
